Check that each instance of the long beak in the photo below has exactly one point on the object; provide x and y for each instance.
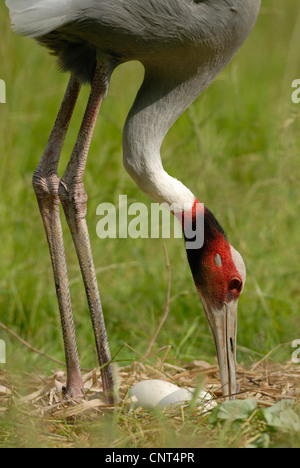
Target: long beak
(223, 323)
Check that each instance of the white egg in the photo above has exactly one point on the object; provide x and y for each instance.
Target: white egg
(159, 394)
(178, 397)
(150, 392)
(184, 396)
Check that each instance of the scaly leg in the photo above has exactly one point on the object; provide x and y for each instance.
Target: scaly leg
(46, 183)
(74, 201)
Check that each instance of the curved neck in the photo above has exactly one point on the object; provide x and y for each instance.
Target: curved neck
(172, 82)
(158, 105)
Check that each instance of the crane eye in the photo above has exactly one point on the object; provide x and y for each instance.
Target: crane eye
(235, 284)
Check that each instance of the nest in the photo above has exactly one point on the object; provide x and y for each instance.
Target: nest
(266, 382)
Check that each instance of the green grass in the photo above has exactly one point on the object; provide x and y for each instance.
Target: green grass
(236, 148)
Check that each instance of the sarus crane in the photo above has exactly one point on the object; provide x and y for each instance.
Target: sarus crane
(183, 45)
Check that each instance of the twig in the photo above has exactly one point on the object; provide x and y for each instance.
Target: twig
(31, 347)
(167, 308)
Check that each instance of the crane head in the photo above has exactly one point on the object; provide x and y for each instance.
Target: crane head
(219, 274)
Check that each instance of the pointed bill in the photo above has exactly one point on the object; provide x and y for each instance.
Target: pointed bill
(223, 323)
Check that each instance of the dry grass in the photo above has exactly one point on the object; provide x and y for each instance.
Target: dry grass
(267, 382)
(33, 412)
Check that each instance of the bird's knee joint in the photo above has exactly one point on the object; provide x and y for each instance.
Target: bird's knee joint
(73, 197)
(46, 188)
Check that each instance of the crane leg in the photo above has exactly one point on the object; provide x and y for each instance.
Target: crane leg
(74, 201)
(46, 183)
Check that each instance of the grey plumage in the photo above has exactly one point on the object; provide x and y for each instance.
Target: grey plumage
(175, 34)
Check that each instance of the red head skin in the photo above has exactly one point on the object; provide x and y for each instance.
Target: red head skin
(215, 274)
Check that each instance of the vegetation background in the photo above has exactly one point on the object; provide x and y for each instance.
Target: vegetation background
(236, 148)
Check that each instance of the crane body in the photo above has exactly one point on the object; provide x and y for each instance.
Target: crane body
(183, 45)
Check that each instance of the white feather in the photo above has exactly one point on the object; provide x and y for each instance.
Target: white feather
(35, 18)
(239, 264)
